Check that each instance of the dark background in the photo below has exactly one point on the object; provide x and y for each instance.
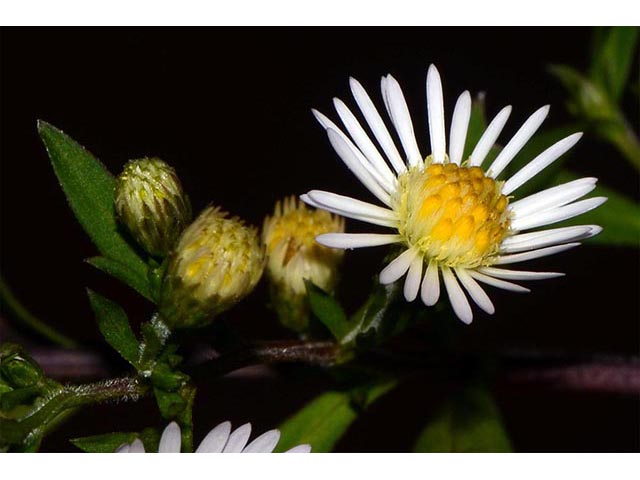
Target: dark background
(230, 109)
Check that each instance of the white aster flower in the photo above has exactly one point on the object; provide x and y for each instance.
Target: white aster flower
(219, 440)
(457, 220)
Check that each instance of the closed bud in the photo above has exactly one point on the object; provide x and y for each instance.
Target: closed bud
(150, 202)
(17, 368)
(216, 263)
(293, 256)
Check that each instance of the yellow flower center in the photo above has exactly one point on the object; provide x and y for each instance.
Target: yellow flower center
(453, 214)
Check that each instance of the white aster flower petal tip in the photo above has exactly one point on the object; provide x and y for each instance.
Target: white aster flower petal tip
(219, 440)
(457, 221)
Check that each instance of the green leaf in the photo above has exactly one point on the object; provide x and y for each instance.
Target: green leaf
(619, 216)
(376, 319)
(323, 421)
(612, 60)
(89, 189)
(124, 274)
(109, 442)
(469, 422)
(114, 326)
(327, 310)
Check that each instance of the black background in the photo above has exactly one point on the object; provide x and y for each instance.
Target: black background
(230, 109)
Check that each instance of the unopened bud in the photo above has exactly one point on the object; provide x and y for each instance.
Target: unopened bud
(293, 256)
(216, 263)
(17, 368)
(150, 202)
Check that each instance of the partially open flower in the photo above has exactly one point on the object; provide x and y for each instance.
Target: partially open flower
(150, 202)
(294, 256)
(217, 262)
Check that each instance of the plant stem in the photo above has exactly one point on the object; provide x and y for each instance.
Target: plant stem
(23, 316)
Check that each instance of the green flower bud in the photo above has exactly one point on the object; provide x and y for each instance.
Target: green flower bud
(150, 202)
(17, 368)
(293, 256)
(217, 262)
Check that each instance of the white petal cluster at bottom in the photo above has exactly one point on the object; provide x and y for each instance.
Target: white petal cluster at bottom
(219, 440)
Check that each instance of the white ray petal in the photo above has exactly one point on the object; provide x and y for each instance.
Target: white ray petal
(457, 297)
(375, 122)
(300, 449)
(328, 125)
(494, 282)
(216, 439)
(265, 443)
(489, 137)
(475, 291)
(353, 205)
(397, 267)
(435, 113)
(356, 240)
(553, 197)
(518, 274)
(539, 163)
(547, 217)
(393, 223)
(136, 446)
(414, 277)
(363, 141)
(542, 252)
(459, 126)
(124, 448)
(518, 141)
(353, 164)
(402, 121)
(430, 291)
(170, 440)
(238, 439)
(545, 238)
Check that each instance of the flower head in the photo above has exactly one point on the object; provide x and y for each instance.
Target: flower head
(150, 202)
(294, 256)
(219, 440)
(217, 262)
(456, 219)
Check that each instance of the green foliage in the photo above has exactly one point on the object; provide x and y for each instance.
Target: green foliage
(324, 420)
(612, 59)
(89, 189)
(619, 216)
(114, 326)
(379, 318)
(468, 422)
(123, 273)
(477, 125)
(327, 310)
(109, 442)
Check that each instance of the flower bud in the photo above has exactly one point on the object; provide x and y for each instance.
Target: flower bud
(17, 368)
(216, 263)
(150, 202)
(293, 256)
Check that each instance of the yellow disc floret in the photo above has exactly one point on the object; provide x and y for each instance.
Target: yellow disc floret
(452, 214)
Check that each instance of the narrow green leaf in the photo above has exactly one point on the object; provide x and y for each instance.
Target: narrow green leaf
(469, 422)
(613, 58)
(114, 326)
(123, 273)
(619, 216)
(109, 442)
(324, 420)
(375, 319)
(89, 189)
(328, 311)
